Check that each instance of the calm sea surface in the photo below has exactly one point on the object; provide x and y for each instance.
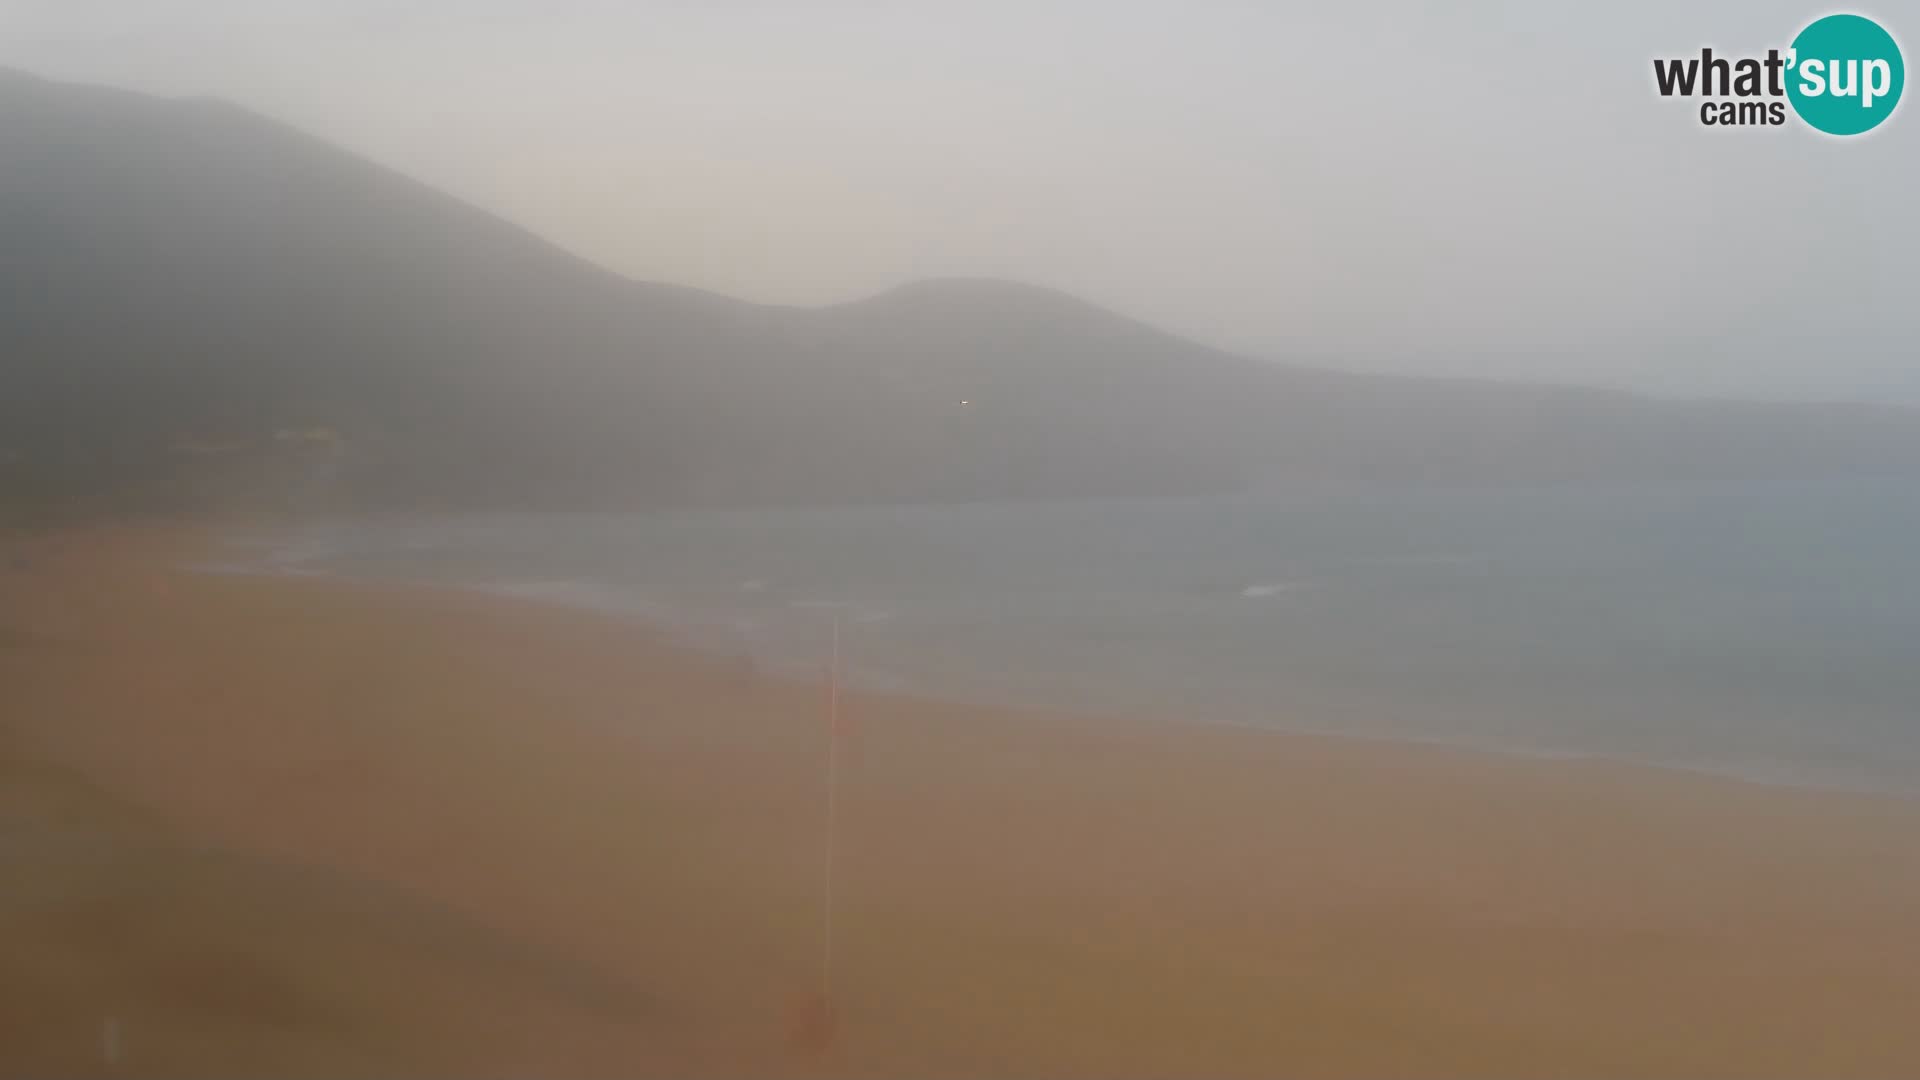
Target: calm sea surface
(1772, 634)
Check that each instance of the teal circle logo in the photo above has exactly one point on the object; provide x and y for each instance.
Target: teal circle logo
(1845, 74)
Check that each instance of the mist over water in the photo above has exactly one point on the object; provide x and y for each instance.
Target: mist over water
(1769, 633)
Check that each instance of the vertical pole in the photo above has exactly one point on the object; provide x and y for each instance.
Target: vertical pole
(833, 786)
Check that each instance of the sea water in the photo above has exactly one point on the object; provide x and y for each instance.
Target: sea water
(1770, 633)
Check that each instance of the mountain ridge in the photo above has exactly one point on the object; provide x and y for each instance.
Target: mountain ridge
(186, 272)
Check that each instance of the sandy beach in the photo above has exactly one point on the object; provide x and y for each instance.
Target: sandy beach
(299, 827)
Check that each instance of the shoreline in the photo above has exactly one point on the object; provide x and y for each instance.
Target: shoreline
(895, 685)
(300, 826)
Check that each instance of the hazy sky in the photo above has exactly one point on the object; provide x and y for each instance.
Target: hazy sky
(1447, 188)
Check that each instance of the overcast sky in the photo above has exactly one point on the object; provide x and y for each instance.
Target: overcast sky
(1444, 188)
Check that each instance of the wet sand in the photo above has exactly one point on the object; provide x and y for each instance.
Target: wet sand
(268, 826)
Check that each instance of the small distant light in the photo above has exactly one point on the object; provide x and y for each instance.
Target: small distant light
(964, 401)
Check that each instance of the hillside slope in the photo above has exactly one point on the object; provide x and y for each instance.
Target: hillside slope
(198, 304)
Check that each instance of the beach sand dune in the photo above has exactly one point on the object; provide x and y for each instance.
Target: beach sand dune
(259, 826)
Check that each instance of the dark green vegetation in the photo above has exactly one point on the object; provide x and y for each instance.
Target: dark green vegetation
(201, 307)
